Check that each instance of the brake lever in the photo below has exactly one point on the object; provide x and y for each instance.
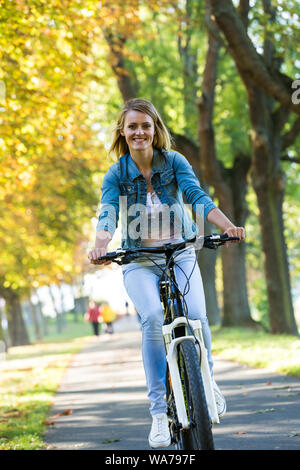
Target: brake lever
(212, 245)
(127, 258)
(217, 240)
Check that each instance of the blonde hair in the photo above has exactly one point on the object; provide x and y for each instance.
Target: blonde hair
(162, 138)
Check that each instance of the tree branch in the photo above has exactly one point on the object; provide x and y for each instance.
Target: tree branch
(286, 158)
(125, 83)
(289, 137)
(250, 64)
(243, 10)
(187, 147)
(211, 168)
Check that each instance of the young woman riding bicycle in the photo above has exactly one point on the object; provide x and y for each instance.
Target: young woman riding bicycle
(152, 179)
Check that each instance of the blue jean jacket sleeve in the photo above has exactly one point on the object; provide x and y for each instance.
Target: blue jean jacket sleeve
(189, 185)
(109, 207)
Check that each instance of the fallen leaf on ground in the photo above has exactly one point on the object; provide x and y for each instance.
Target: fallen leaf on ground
(13, 413)
(240, 432)
(268, 383)
(108, 441)
(267, 410)
(49, 423)
(63, 413)
(282, 387)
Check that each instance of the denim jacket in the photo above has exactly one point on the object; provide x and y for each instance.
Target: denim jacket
(172, 179)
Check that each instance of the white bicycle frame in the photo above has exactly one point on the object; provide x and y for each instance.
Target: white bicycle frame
(172, 358)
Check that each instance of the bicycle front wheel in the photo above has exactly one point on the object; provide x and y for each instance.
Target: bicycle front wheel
(199, 435)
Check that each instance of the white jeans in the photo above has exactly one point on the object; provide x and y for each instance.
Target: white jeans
(141, 283)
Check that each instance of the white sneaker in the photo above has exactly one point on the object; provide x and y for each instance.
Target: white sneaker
(220, 400)
(159, 435)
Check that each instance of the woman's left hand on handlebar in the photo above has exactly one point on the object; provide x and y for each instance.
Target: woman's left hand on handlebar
(236, 232)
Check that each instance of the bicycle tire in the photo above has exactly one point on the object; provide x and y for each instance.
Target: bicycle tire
(199, 436)
(172, 415)
(179, 438)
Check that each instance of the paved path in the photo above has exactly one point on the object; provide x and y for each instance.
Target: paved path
(105, 389)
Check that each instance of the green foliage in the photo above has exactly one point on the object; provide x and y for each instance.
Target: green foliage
(292, 218)
(158, 68)
(49, 151)
(259, 301)
(279, 353)
(231, 116)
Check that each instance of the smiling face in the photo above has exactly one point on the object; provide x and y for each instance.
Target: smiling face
(138, 131)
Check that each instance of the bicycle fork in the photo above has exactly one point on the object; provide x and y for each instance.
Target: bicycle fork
(171, 344)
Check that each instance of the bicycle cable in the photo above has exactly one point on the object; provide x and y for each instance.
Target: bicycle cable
(164, 271)
(185, 307)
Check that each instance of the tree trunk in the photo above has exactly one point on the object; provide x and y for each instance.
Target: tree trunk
(43, 318)
(207, 258)
(63, 307)
(230, 188)
(16, 326)
(34, 313)
(269, 197)
(207, 262)
(127, 84)
(58, 318)
(3, 340)
(235, 292)
(268, 183)
(188, 55)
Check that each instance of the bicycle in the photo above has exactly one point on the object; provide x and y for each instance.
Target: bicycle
(189, 390)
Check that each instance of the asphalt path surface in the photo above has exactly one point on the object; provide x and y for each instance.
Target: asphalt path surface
(102, 401)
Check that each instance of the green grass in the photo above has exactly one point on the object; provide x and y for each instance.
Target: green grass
(72, 329)
(29, 377)
(279, 353)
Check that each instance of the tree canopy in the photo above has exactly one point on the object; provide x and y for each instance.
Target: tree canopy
(66, 67)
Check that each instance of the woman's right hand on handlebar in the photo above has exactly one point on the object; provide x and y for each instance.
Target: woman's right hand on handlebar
(102, 240)
(97, 253)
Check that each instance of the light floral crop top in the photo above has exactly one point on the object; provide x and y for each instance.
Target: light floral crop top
(159, 230)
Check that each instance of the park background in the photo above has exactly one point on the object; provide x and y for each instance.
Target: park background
(225, 78)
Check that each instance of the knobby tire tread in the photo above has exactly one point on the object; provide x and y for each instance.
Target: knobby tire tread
(196, 398)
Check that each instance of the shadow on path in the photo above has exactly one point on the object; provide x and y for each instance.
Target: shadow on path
(106, 391)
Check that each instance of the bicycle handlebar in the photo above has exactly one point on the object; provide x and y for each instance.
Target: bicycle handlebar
(121, 256)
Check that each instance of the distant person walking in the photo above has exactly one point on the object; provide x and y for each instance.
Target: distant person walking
(93, 315)
(108, 316)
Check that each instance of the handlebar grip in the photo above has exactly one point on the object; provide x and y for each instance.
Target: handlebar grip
(101, 258)
(96, 261)
(224, 236)
(215, 240)
(110, 255)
